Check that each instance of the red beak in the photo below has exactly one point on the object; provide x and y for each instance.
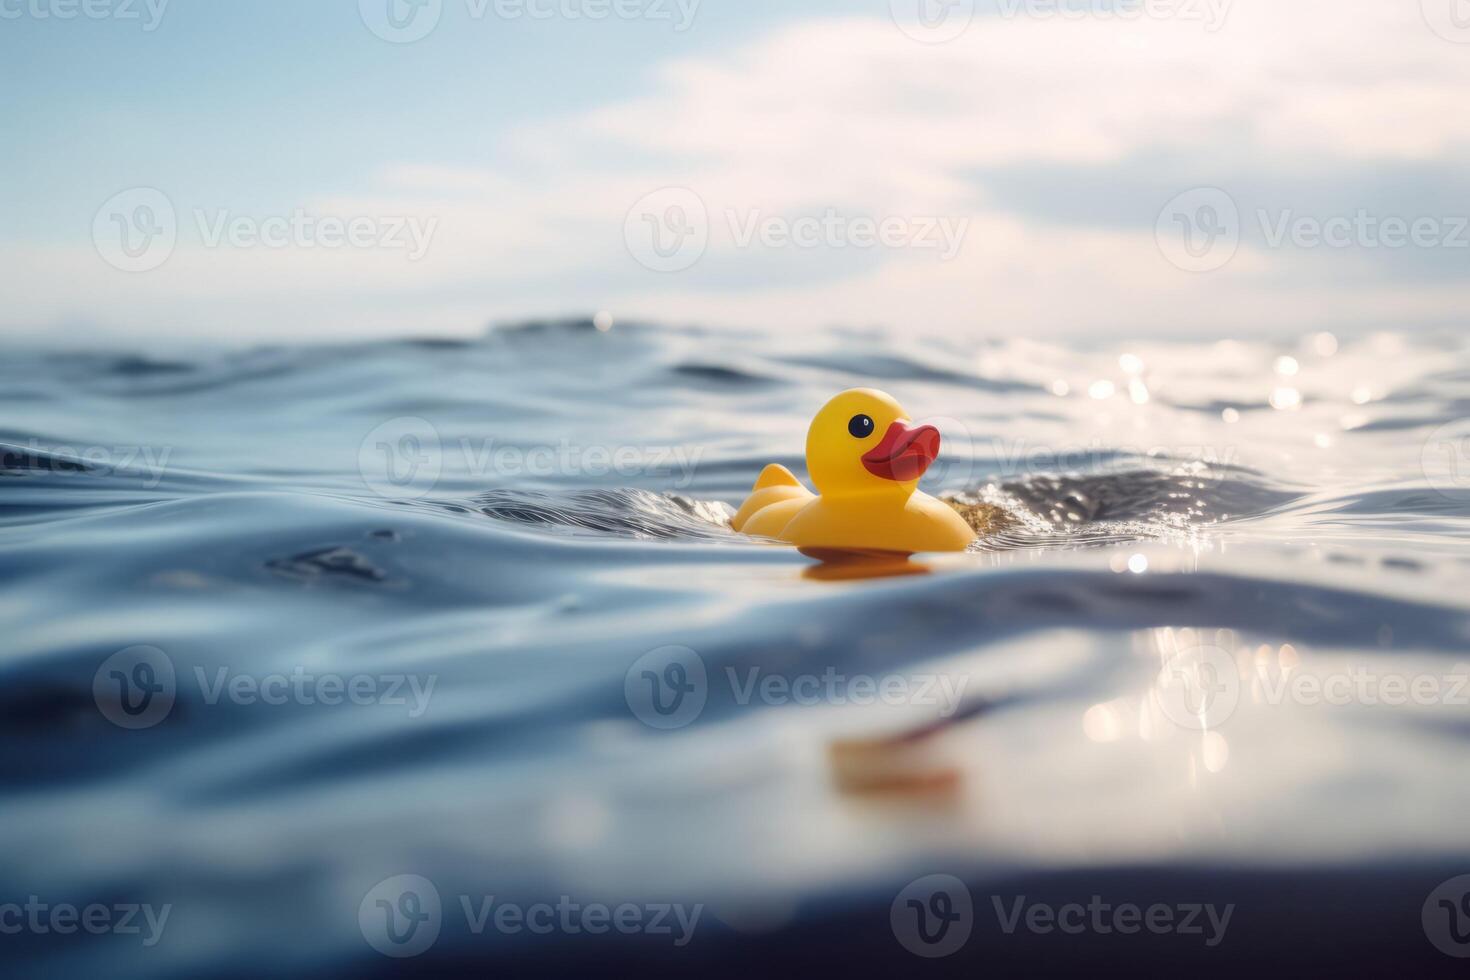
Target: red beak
(904, 454)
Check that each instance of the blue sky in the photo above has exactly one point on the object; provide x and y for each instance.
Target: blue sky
(262, 103)
(537, 157)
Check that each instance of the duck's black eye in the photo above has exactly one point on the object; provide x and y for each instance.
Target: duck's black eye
(860, 426)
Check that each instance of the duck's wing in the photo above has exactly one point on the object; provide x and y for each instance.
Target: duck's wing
(775, 475)
(776, 485)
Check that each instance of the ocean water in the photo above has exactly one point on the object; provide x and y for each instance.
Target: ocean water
(320, 659)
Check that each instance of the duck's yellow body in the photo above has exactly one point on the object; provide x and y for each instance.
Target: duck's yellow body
(865, 462)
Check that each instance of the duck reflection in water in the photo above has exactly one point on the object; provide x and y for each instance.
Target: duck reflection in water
(835, 565)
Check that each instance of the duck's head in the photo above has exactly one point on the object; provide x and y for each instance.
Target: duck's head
(863, 441)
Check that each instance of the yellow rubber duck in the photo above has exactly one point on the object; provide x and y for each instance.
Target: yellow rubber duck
(865, 460)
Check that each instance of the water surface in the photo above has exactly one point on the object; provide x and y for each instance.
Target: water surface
(1189, 539)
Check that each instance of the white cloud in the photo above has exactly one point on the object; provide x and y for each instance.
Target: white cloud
(851, 114)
